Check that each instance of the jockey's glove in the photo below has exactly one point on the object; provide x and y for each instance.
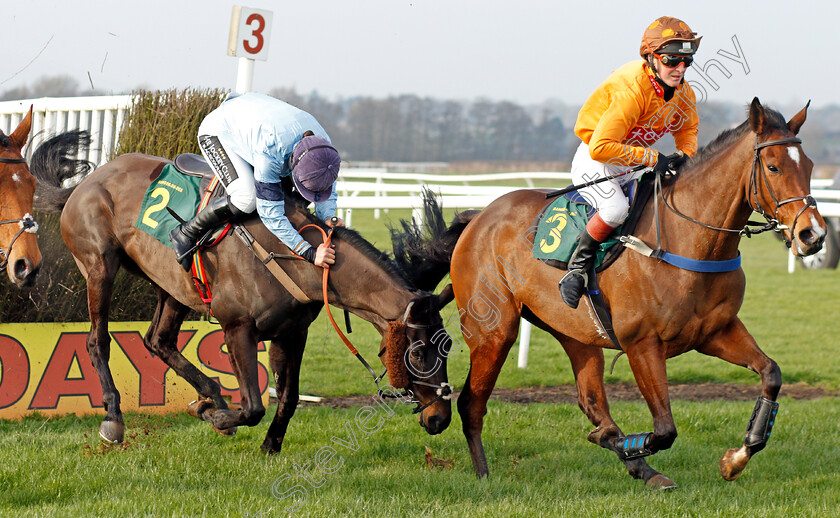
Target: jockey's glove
(677, 160)
(662, 164)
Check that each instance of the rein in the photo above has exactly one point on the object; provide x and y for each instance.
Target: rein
(443, 391)
(27, 223)
(773, 222)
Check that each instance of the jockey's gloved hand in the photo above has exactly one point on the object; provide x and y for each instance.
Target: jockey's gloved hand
(662, 164)
(677, 160)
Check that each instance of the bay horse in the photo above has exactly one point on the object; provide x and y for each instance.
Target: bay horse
(659, 311)
(97, 225)
(19, 252)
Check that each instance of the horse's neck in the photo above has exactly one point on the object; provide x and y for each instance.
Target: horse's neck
(369, 291)
(362, 285)
(715, 193)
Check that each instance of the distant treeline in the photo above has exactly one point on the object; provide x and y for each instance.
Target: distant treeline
(409, 128)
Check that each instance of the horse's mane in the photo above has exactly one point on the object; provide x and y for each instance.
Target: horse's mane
(728, 137)
(349, 236)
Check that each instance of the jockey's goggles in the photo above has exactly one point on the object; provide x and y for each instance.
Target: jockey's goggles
(673, 61)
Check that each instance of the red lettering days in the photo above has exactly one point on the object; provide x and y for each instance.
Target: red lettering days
(14, 371)
(152, 370)
(54, 383)
(211, 355)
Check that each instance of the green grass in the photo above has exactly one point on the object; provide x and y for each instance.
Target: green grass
(540, 461)
(541, 465)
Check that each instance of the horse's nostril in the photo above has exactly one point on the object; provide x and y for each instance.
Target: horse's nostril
(22, 269)
(810, 237)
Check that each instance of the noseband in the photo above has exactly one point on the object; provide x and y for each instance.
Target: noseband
(442, 391)
(27, 223)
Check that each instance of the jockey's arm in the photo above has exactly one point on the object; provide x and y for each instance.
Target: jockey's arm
(606, 143)
(273, 215)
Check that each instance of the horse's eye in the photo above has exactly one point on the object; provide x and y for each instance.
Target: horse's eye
(773, 169)
(415, 354)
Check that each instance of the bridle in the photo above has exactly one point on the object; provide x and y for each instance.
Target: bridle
(443, 391)
(27, 222)
(773, 222)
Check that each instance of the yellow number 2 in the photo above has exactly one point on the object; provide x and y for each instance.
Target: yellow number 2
(163, 194)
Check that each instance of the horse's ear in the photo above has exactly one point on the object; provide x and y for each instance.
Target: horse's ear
(445, 297)
(22, 132)
(797, 120)
(756, 116)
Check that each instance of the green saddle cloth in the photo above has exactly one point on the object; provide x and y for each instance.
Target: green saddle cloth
(179, 192)
(559, 227)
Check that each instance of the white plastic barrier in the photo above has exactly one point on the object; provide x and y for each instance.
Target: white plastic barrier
(102, 116)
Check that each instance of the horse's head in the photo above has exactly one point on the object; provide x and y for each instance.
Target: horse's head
(19, 252)
(415, 352)
(780, 182)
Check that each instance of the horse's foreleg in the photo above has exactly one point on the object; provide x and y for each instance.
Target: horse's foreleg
(241, 339)
(647, 360)
(486, 360)
(588, 366)
(735, 345)
(285, 359)
(100, 282)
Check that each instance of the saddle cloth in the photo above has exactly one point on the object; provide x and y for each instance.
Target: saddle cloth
(171, 188)
(560, 223)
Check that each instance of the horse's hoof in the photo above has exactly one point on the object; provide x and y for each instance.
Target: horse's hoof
(733, 463)
(112, 431)
(198, 407)
(269, 447)
(229, 432)
(660, 482)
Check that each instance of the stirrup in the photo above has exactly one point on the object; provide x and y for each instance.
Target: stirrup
(579, 272)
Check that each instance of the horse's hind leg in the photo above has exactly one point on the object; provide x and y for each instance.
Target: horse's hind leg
(734, 344)
(162, 340)
(588, 367)
(241, 339)
(285, 358)
(101, 271)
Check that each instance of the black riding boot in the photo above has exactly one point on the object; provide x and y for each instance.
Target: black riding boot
(185, 236)
(573, 284)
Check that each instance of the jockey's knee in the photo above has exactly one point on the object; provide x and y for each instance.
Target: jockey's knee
(244, 199)
(614, 215)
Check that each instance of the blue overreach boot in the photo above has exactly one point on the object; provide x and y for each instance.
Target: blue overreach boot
(185, 236)
(573, 284)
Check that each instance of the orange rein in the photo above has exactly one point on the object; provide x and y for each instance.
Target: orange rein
(327, 241)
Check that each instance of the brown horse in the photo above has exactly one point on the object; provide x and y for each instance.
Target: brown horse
(97, 224)
(659, 311)
(19, 253)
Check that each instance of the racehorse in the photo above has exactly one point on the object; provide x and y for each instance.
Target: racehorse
(659, 310)
(19, 252)
(97, 224)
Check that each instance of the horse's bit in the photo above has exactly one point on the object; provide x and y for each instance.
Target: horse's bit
(27, 222)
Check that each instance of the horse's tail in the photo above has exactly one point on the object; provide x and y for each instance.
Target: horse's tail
(55, 161)
(424, 254)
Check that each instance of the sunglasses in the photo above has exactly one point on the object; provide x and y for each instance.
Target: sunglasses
(672, 61)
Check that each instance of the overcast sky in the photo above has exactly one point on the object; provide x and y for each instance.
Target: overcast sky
(526, 51)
